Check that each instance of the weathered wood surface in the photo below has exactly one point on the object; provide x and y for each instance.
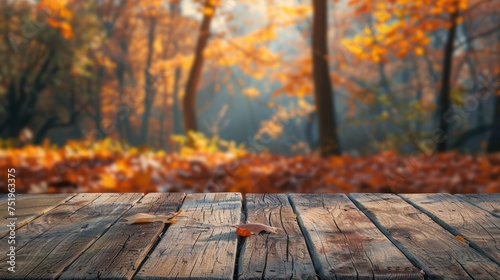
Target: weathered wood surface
(29, 206)
(438, 252)
(203, 245)
(344, 244)
(480, 228)
(365, 236)
(50, 243)
(120, 251)
(274, 256)
(488, 202)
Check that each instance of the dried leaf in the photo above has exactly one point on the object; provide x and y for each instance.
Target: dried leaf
(142, 218)
(243, 232)
(460, 238)
(256, 228)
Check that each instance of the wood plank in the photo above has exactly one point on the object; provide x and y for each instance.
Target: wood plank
(29, 206)
(344, 243)
(34, 229)
(488, 202)
(480, 228)
(431, 247)
(120, 251)
(53, 241)
(203, 246)
(274, 256)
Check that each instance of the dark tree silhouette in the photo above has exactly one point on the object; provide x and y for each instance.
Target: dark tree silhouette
(494, 141)
(323, 93)
(190, 123)
(444, 94)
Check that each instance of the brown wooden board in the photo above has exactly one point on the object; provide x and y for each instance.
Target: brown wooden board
(488, 202)
(438, 252)
(50, 243)
(29, 206)
(344, 243)
(478, 228)
(202, 245)
(120, 251)
(274, 256)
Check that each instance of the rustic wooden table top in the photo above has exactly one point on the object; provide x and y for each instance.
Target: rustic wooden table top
(327, 236)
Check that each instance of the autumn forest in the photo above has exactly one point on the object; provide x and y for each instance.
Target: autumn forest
(250, 95)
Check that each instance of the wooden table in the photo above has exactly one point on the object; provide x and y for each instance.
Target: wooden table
(327, 236)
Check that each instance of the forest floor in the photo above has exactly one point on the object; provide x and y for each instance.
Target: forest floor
(104, 167)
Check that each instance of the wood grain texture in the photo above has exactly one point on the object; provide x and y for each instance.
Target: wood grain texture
(201, 246)
(480, 228)
(274, 256)
(431, 247)
(488, 202)
(345, 244)
(29, 206)
(120, 251)
(50, 243)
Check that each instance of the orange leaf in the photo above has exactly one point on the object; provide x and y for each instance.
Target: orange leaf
(243, 232)
(256, 228)
(460, 238)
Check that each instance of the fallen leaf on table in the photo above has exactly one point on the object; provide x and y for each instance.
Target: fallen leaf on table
(256, 228)
(141, 218)
(460, 238)
(243, 232)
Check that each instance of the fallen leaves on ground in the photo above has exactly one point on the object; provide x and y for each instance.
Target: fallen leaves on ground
(255, 228)
(142, 218)
(102, 167)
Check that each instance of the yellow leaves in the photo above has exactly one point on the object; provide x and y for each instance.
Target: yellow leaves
(208, 11)
(285, 15)
(66, 30)
(142, 218)
(251, 92)
(303, 104)
(419, 51)
(206, 145)
(271, 128)
(382, 15)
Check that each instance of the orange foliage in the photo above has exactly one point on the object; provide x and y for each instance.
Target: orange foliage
(104, 167)
(59, 14)
(400, 26)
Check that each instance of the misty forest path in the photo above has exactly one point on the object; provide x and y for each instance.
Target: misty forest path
(320, 236)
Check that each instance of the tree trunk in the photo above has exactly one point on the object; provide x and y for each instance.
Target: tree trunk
(189, 101)
(444, 95)
(494, 141)
(149, 85)
(322, 86)
(176, 105)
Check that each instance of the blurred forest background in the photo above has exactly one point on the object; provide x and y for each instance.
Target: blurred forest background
(247, 95)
